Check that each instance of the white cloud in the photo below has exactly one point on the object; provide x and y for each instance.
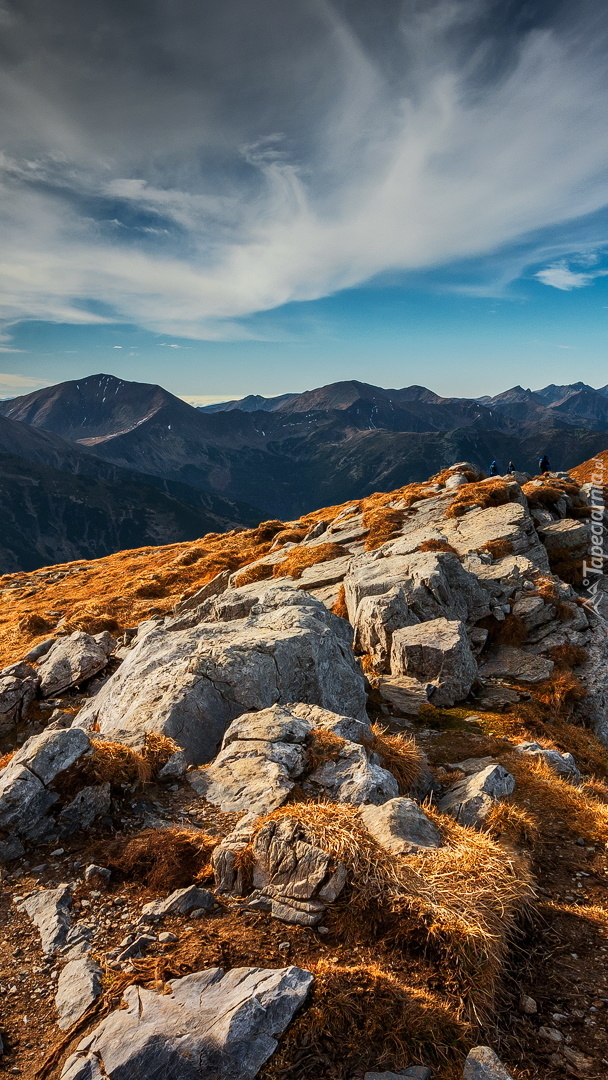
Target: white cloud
(382, 171)
(117, 346)
(561, 277)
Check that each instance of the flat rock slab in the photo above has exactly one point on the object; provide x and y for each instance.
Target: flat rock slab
(470, 800)
(483, 1064)
(353, 778)
(400, 826)
(403, 692)
(17, 692)
(78, 986)
(213, 1023)
(49, 910)
(73, 659)
(509, 662)
(564, 537)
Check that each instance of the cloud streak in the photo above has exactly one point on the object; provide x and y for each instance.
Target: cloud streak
(225, 162)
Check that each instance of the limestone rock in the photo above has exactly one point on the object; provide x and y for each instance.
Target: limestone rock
(433, 584)
(511, 663)
(511, 522)
(78, 986)
(345, 727)
(189, 684)
(262, 754)
(73, 659)
(86, 806)
(353, 778)
(563, 765)
(24, 802)
(562, 538)
(16, 695)
(293, 879)
(211, 1023)
(402, 692)
(215, 587)
(52, 752)
(228, 873)
(376, 619)
(471, 799)
(175, 767)
(179, 902)
(400, 826)
(436, 652)
(49, 909)
(482, 1064)
(503, 577)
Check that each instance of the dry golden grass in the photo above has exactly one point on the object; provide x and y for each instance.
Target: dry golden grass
(289, 536)
(568, 656)
(547, 798)
(400, 756)
(339, 607)
(437, 545)
(458, 904)
(595, 466)
(483, 495)
(116, 764)
(498, 549)
(163, 859)
(322, 746)
(257, 572)
(299, 558)
(375, 1019)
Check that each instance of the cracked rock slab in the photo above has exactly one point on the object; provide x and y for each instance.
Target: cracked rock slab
(437, 652)
(212, 1023)
(293, 879)
(78, 986)
(178, 903)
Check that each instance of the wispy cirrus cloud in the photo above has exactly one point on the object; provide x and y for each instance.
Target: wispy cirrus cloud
(183, 174)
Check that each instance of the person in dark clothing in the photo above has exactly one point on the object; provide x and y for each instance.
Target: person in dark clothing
(544, 464)
(494, 471)
(511, 469)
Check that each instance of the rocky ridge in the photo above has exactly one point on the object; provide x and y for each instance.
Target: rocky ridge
(360, 740)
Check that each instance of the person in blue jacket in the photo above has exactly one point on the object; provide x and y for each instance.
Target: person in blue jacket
(494, 470)
(544, 464)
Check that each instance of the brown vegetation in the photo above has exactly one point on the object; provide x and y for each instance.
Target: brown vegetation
(163, 859)
(437, 545)
(498, 549)
(481, 496)
(339, 607)
(117, 764)
(322, 746)
(299, 558)
(400, 756)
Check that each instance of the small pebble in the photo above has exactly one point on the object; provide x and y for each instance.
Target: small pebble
(166, 938)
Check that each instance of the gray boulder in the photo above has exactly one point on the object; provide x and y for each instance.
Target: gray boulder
(228, 872)
(436, 652)
(470, 800)
(49, 910)
(52, 752)
(376, 619)
(433, 583)
(190, 683)
(17, 692)
(89, 804)
(402, 692)
(24, 802)
(354, 778)
(400, 826)
(563, 765)
(482, 1064)
(212, 1024)
(78, 986)
(262, 754)
(73, 659)
(293, 879)
(178, 903)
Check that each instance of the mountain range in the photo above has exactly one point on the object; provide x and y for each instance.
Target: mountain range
(98, 464)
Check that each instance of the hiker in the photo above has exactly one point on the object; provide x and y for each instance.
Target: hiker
(511, 469)
(494, 470)
(544, 465)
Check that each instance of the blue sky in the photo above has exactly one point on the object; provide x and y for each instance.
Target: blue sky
(258, 201)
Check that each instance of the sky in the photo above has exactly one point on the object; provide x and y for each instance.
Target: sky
(265, 197)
